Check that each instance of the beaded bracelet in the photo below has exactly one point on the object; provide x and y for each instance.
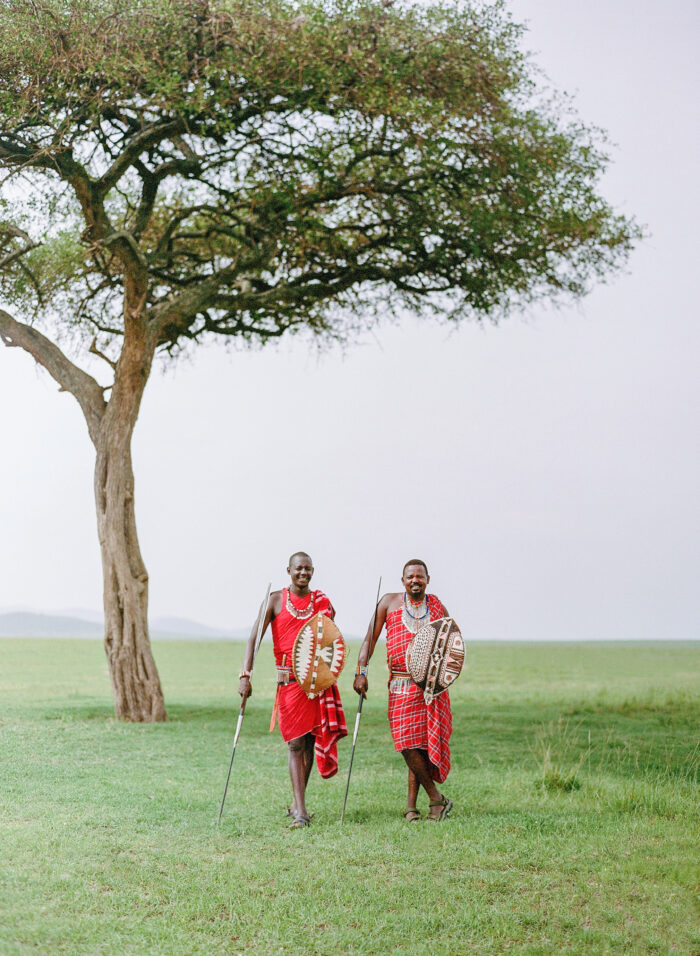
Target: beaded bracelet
(361, 670)
(244, 674)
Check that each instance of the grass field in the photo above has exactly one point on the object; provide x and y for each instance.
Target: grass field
(575, 828)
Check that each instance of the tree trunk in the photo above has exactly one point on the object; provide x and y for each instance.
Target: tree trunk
(135, 682)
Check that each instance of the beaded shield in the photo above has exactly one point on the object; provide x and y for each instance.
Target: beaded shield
(318, 655)
(435, 656)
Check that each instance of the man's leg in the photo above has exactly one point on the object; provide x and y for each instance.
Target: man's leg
(301, 758)
(298, 774)
(411, 813)
(419, 765)
(308, 758)
(412, 789)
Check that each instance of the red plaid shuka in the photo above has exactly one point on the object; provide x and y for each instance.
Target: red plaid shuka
(415, 724)
(323, 716)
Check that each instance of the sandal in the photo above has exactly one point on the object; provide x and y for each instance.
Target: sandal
(411, 814)
(292, 813)
(299, 821)
(445, 806)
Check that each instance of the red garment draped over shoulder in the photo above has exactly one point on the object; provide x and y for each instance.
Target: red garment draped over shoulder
(414, 724)
(323, 716)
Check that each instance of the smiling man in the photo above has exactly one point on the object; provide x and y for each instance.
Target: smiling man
(307, 725)
(421, 731)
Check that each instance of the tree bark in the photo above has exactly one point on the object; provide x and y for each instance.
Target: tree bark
(135, 682)
(133, 673)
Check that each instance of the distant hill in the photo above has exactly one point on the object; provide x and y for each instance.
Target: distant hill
(183, 627)
(29, 624)
(32, 624)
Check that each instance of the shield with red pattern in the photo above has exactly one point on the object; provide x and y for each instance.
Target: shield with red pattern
(435, 657)
(318, 655)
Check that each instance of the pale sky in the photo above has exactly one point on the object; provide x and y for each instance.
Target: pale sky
(547, 470)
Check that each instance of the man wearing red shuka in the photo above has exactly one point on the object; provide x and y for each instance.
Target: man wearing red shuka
(421, 731)
(307, 726)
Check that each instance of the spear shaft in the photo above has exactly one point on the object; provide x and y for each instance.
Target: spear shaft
(359, 710)
(258, 641)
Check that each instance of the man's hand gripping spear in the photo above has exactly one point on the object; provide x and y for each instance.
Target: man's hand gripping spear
(363, 694)
(258, 639)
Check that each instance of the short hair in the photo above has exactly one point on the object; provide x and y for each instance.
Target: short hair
(299, 554)
(415, 561)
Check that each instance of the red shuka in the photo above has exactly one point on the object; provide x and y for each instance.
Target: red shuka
(323, 716)
(414, 724)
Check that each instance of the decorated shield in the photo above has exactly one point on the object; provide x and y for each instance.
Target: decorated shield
(318, 655)
(435, 656)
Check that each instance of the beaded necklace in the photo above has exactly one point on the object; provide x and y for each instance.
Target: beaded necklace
(414, 622)
(300, 613)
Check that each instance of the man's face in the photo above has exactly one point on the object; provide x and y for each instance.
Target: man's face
(415, 581)
(301, 571)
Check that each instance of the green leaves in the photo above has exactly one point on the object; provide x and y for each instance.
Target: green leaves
(198, 59)
(265, 165)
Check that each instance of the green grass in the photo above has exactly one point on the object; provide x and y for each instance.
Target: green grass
(575, 827)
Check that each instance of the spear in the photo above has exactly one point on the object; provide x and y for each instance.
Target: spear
(359, 710)
(258, 640)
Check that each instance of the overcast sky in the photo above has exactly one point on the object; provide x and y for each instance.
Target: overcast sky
(547, 470)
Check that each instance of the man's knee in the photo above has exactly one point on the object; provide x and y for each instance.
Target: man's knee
(297, 745)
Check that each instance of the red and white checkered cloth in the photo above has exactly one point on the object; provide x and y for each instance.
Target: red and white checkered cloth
(415, 724)
(330, 731)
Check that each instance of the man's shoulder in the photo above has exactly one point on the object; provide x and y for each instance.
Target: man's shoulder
(391, 599)
(322, 603)
(276, 601)
(436, 600)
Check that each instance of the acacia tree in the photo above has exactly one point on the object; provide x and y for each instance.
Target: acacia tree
(182, 169)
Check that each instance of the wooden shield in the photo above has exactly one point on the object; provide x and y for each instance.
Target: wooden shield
(318, 655)
(435, 656)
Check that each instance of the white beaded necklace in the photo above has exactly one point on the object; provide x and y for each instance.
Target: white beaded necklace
(414, 622)
(300, 613)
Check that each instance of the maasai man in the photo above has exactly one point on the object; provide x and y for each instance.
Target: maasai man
(307, 726)
(421, 731)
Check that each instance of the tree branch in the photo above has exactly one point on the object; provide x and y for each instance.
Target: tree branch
(88, 393)
(149, 137)
(8, 236)
(90, 194)
(95, 351)
(11, 257)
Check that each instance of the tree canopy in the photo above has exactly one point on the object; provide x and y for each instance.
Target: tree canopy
(254, 167)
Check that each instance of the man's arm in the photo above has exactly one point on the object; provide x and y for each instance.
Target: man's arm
(245, 688)
(360, 683)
